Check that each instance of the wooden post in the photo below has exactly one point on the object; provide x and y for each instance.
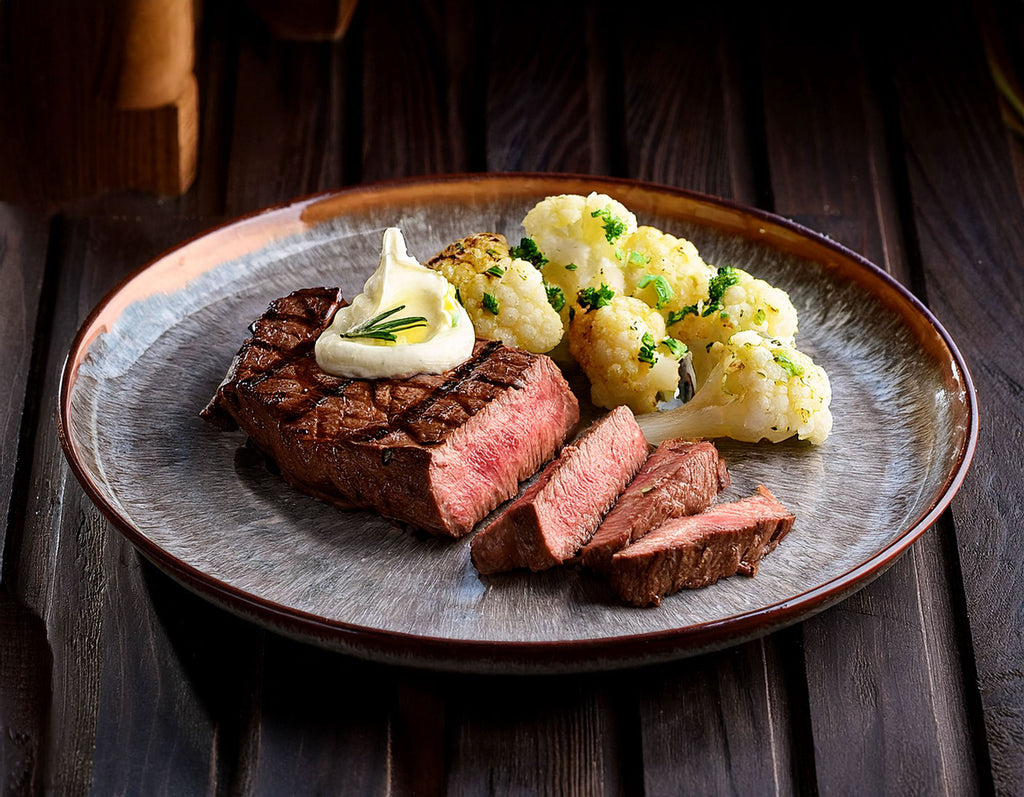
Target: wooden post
(95, 96)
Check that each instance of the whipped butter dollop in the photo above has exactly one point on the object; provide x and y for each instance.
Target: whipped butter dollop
(406, 321)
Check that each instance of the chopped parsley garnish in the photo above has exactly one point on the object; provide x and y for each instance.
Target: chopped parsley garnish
(646, 353)
(790, 367)
(759, 316)
(638, 258)
(595, 298)
(614, 227)
(571, 267)
(661, 287)
(675, 316)
(495, 271)
(717, 286)
(556, 298)
(528, 251)
(379, 328)
(490, 303)
(677, 348)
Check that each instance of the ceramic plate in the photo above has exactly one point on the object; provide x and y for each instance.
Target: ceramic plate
(202, 508)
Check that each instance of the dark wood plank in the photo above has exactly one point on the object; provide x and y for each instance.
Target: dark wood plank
(127, 712)
(552, 735)
(24, 652)
(23, 247)
(685, 114)
(546, 106)
(322, 723)
(415, 88)
(874, 662)
(969, 225)
(289, 134)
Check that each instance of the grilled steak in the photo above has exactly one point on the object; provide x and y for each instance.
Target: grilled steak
(694, 551)
(558, 513)
(436, 451)
(682, 477)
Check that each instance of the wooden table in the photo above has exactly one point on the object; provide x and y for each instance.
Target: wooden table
(888, 137)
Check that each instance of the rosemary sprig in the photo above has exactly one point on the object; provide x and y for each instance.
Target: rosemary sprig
(379, 328)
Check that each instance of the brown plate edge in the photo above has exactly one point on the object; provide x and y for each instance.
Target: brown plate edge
(550, 656)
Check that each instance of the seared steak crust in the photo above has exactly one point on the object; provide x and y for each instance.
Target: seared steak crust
(697, 550)
(437, 451)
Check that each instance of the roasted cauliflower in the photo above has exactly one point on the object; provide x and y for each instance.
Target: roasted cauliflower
(580, 241)
(621, 345)
(758, 388)
(505, 297)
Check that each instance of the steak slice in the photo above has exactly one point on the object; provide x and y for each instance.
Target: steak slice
(558, 513)
(437, 451)
(694, 551)
(682, 477)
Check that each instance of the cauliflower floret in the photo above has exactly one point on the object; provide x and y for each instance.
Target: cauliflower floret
(758, 388)
(506, 298)
(733, 301)
(580, 239)
(620, 343)
(666, 272)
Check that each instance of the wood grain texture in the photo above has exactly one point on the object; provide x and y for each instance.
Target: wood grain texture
(544, 105)
(829, 169)
(414, 109)
(968, 221)
(685, 112)
(294, 95)
(124, 709)
(535, 736)
(322, 723)
(24, 652)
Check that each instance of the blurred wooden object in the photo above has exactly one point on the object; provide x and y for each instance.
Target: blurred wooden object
(306, 20)
(105, 99)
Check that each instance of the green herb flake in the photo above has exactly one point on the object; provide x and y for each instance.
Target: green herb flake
(759, 316)
(556, 298)
(490, 303)
(726, 277)
(595, 298)
(676, 316)
(571, 267)
(677, 348)
(614, 227)
(528, 251)
(495, 271)
(790, 367)
(380, 328)
(661, 287)
(638, 258)
(647, 353)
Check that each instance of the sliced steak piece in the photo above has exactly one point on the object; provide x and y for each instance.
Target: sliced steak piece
(694, 551)
(436, 451)
(558, 513)
(682, 477)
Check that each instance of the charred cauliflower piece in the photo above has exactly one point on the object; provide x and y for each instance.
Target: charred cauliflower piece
(505, 297)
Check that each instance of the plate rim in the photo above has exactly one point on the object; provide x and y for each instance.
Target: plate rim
(504, 656)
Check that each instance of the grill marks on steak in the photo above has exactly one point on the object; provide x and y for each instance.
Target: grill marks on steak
(695, 551)
(682, 477)
(438, 451)
(559, 512)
